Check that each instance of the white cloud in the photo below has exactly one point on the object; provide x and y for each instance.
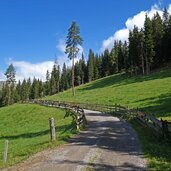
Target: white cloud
(26, 69)
(137, 20)
(169, 9)
(2, 76)
(63, 57)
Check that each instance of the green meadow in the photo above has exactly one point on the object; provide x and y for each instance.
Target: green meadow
(26, 127)
(151, 94)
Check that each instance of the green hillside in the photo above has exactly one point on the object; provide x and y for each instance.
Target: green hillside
(149, 93)
(27, 129)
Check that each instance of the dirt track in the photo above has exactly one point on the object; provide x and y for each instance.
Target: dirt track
(107, 144)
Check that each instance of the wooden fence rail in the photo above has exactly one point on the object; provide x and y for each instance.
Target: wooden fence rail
(72, 107)
(161, 127)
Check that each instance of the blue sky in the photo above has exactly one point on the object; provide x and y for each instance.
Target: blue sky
(33, 32)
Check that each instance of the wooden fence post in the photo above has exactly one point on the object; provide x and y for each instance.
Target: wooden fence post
(6, 151)
(165, 129)
(52, 129)
(78, 122)
(115, 107)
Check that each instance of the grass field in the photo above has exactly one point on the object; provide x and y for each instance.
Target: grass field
(151, 94)
(27, 129)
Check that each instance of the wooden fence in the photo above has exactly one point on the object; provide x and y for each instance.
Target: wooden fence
(79, 112)
(160, 127)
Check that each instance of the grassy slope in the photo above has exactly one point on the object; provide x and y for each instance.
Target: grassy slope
(150, 93)
(27, 129)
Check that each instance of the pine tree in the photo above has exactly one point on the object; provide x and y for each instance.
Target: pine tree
(53, 87)
(64, 84)
(77, 71)
(141, 51)
(28, 88)
(47, 83)
(158, 33)
(125, 55)
(41, 89)
(149, 45)
(10, 84)
(5, 94)
(17, 96)
(69, 77)
(24, 91)
(73, 40)
(83, 69)
(105, 63)
(90, 66)
(96, 67)
(165, 42)
(35, 89)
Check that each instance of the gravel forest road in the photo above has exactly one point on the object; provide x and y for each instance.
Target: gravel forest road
(108, 144)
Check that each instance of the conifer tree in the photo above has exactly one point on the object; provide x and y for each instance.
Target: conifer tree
(83, 69)
(10, 85)
(158, 33)
(105, 63)
(64, 84)
(72, 49)
(149, 45)
(90, 66)
(47, 83)
(141, 51)
(18, 93)
(77, 71)
(35, 89)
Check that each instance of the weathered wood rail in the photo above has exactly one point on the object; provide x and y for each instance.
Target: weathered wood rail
(160, 127)
(79, 112)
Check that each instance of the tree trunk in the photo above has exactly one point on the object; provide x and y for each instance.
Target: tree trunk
(142, 63)
(9, 95)
(73, 90)
(142, 59)
(147, 66)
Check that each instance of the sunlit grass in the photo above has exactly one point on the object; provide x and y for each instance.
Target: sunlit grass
(27, 129)
(151, 94)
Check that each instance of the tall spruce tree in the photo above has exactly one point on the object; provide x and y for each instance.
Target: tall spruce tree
(149, 44)
(72, 49)
(83, 69)
(158, 33)
(64, 84)
(141, 51)
(10, 85)
(105, 63)
(47, 83)
(90, 66)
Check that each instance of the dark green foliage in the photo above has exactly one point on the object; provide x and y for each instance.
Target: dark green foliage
(35, 89)
(147, 49)
(55, 79)
(8, 90)
(158, 33)
(64, 81)
(83, 69)
(149, 44)
(105, 63)
(77, 75)
(47, 83)
(10, 74)
(90, 66)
